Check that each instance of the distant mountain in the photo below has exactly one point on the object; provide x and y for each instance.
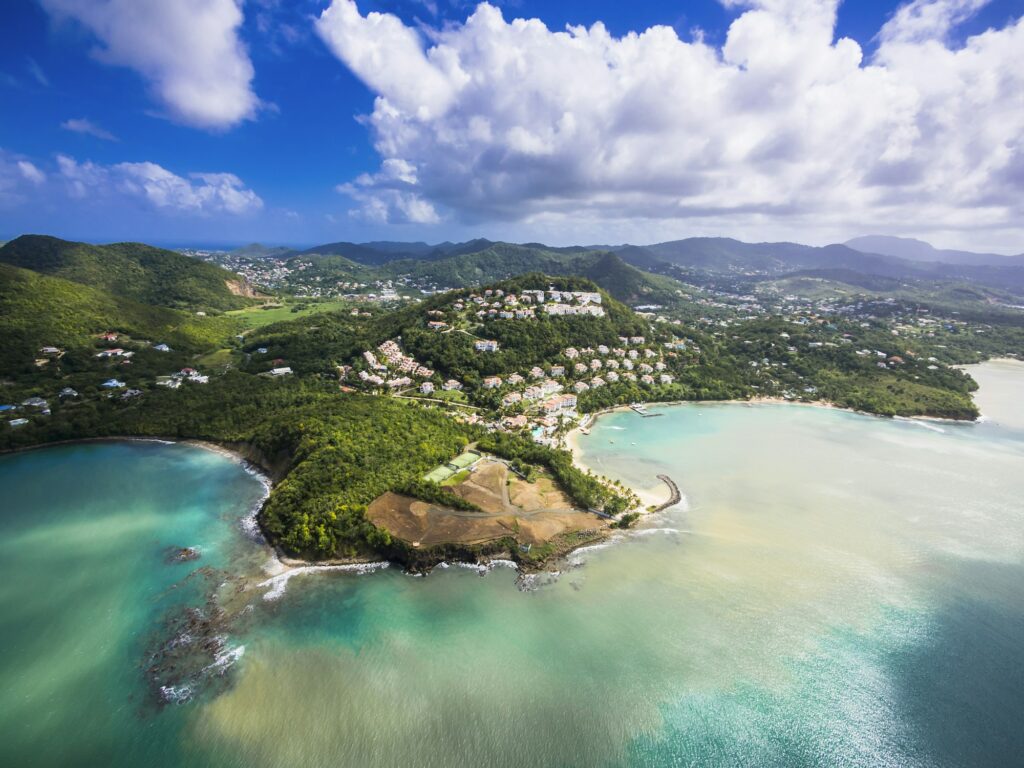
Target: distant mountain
(723, 254)
(727, 256)
(463, 266)
(131, 270)
(371, 254)
(260, 251)
(918, 250)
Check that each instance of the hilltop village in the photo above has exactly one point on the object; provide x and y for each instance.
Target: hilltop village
(542, 398)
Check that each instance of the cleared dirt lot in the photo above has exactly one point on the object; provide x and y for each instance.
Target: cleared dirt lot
(531, 512)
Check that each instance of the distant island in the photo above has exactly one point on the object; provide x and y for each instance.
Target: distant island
(413, 402)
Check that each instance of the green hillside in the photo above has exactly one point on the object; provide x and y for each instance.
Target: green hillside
(501, 261)
(132, 270)
(37, 310)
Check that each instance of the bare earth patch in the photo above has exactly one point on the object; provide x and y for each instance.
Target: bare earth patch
(533, 513)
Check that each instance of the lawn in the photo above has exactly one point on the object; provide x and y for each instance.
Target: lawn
(257, 316)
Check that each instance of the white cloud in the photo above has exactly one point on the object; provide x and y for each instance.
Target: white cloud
(202, 193)
(783, 129)
(30, 172)
(86, 126)
(188, 50)
(922, 20)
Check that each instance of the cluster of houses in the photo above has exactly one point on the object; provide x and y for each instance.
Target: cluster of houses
(176, 379)
(596, 367)
(496, 304)
(393, 369)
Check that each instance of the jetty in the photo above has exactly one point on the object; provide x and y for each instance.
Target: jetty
(675, 496)
(641, 409)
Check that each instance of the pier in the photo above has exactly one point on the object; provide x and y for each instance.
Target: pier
(674, 498)
(641, 409)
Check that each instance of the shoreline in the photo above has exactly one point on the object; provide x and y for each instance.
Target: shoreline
(651, 497)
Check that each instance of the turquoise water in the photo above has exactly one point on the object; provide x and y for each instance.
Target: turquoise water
(835, 590)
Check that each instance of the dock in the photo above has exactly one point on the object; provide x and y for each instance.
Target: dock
(641, 409)
(675, 496)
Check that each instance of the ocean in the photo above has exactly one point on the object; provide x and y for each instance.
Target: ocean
(834, 589)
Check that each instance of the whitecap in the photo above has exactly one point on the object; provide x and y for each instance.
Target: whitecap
(279, 583)
(175, 694)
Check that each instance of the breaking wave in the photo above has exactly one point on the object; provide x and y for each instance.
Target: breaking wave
(278, 584)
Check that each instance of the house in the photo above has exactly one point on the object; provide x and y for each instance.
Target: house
(261, 351)
(451, 385)
(595, 365)
(511, 398)
(68, 392)
(437, 325)
(486, 345)
(612, 376)
(556, 371)
(536, 373)
(572, 353)
(51, 351)
(665, 378)
(128, 394)
(596, 382)
(515, 422)
(18, 422)
(515, 378)
(108, 336)
(168, 381)
(492, 382)
(552, 405)
(581, 386)
(602, 349)
(636, 340)
(35, 402)
(116, 352)
(112, 384)
(579, 368)
(646, 379)
(162, 348)
(282, 371)
(549, 387)
(427, 388)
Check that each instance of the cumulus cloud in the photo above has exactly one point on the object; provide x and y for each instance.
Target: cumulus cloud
(922, 20)
(188, 50)
(496, 120)
(86, 126)
(203, 193)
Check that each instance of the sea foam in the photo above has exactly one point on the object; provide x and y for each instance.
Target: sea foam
(279, 583)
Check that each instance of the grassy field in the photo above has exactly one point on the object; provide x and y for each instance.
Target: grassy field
(257, 316)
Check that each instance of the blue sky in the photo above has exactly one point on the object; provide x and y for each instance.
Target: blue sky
(224, 122)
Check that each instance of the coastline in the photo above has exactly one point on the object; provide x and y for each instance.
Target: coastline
(653, 496)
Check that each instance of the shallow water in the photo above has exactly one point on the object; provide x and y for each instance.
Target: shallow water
(836, 590)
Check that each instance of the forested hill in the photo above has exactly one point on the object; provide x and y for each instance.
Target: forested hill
(500, 261)
(37, 310)
(130, 270)
(319, 343)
